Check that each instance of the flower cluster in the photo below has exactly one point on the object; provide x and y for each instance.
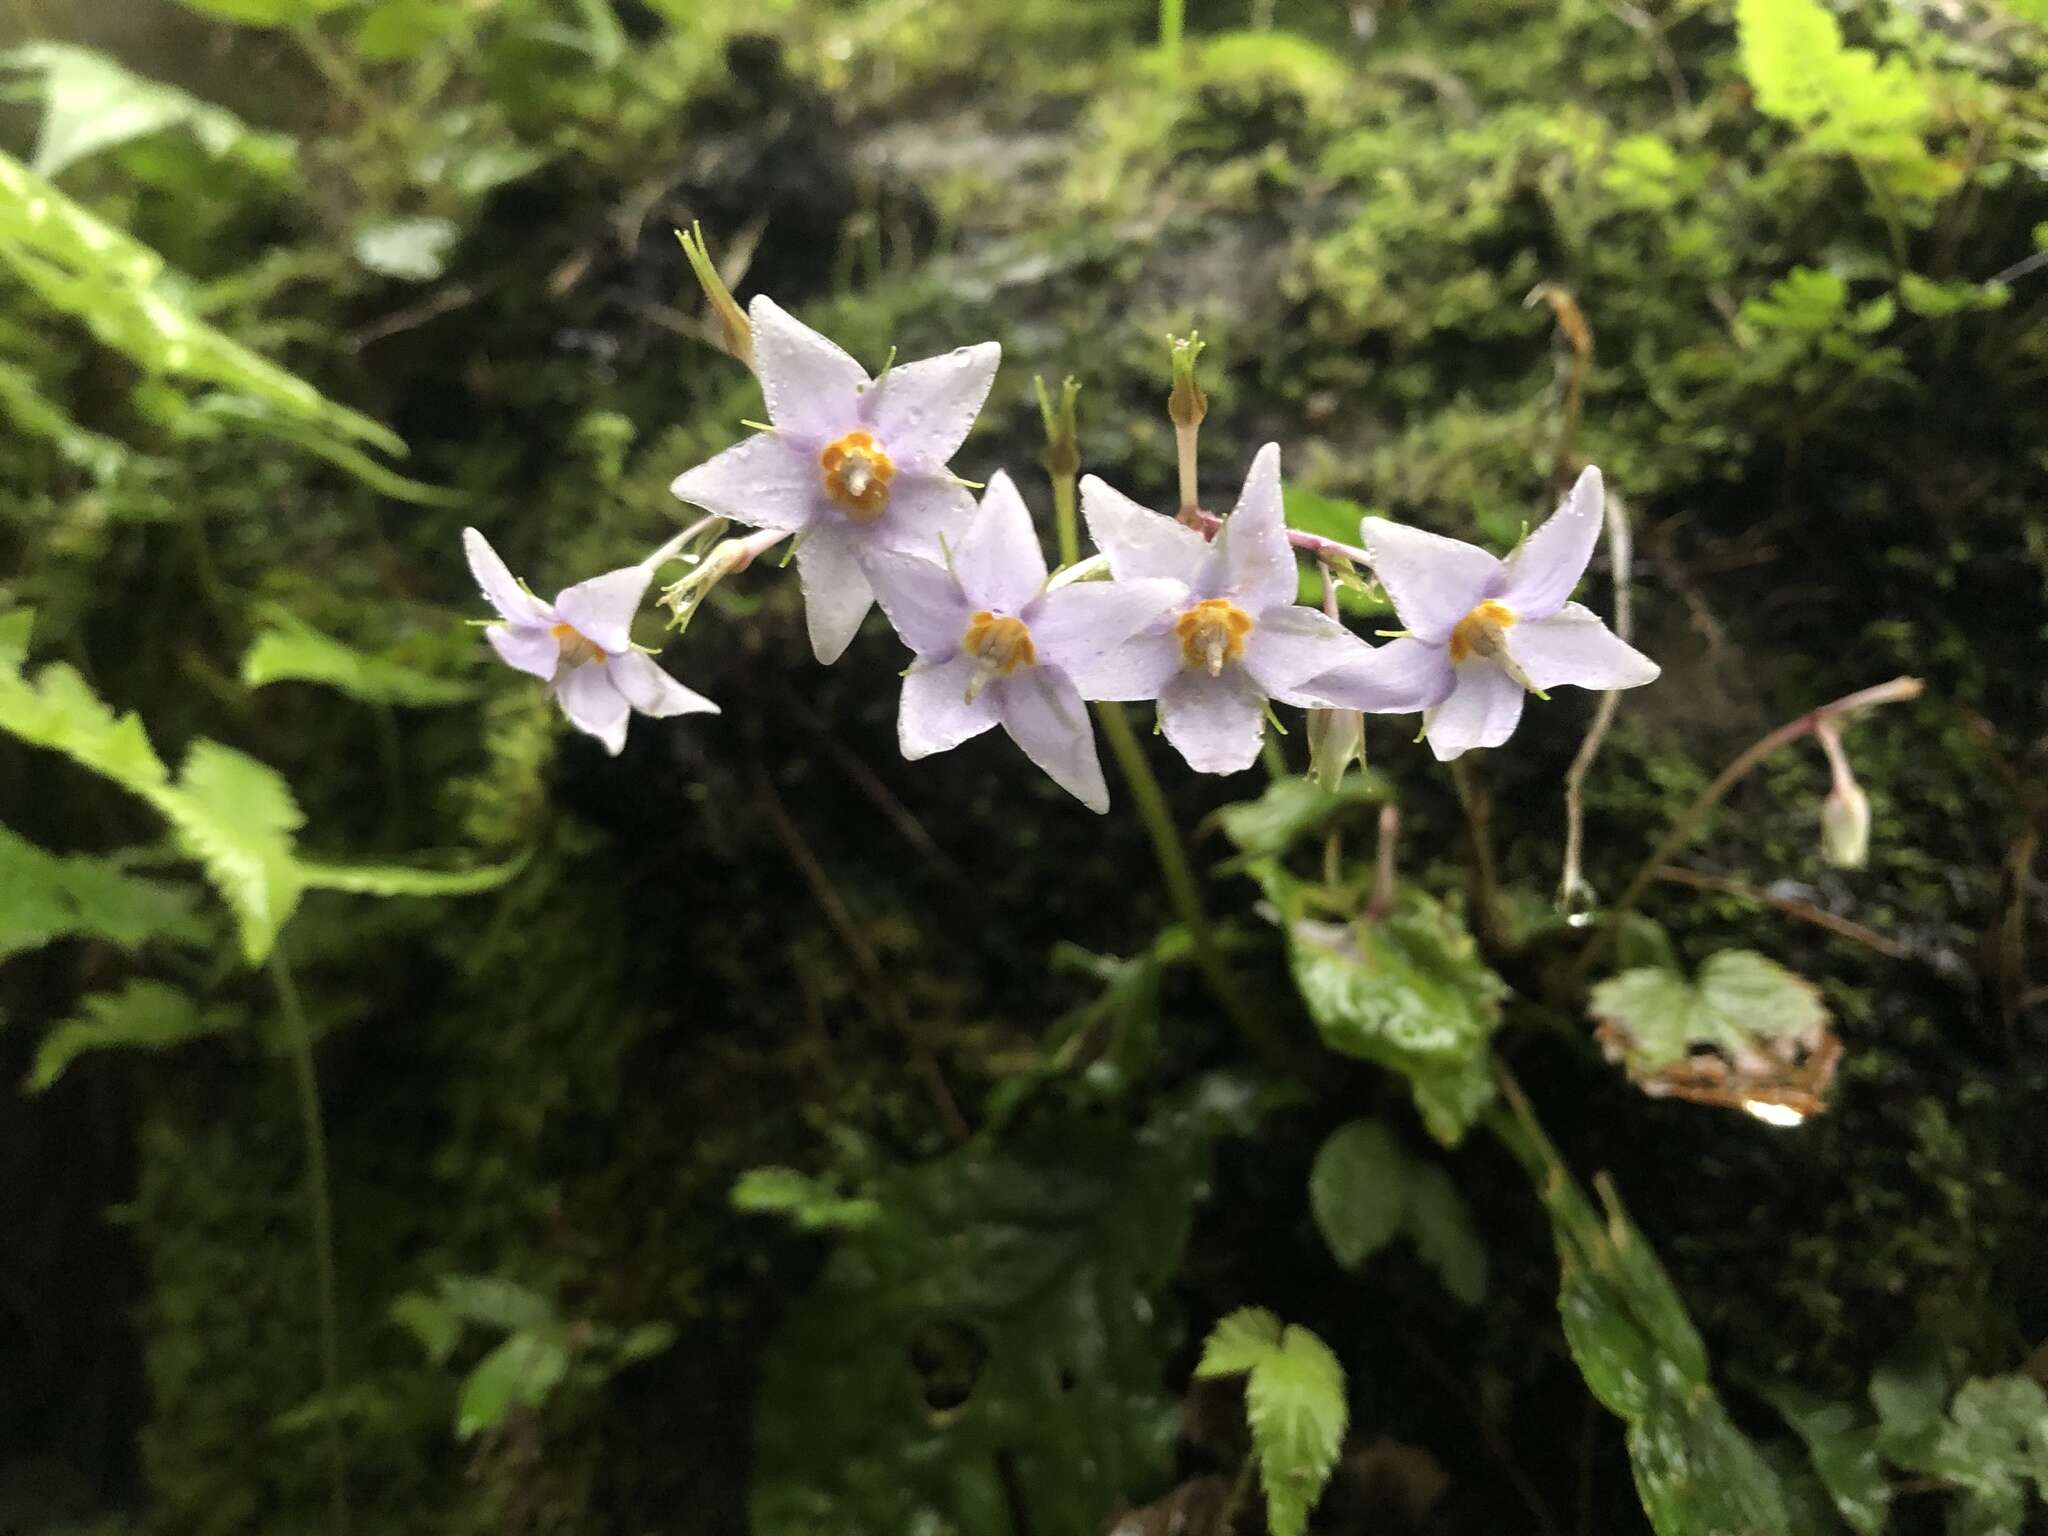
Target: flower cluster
(1199, 614)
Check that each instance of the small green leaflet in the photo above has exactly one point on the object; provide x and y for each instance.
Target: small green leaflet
(144, 1015)
(44, 897)
(92, 104)
(1739, 999)
(519, 1373)
(290, 650)
(1294, 1402)
(1366, 1188)
(79, 264)
(232, 814)
(264, 13)
(813, 1205)
(1290, 809)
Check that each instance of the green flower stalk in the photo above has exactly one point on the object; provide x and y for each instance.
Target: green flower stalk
(1187, 405)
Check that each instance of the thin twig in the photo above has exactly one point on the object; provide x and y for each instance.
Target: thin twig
(880, 998)
(1687, 826)
(1791, 906)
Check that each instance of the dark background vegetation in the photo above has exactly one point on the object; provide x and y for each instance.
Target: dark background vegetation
(734, 945)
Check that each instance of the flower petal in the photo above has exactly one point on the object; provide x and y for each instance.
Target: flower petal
(922, 411)
(1214, 722)
(837, 595)
(922, 600)
(764, 482)
(1140, 543)
(500, 587)
(529, 647)
(1078, 626)
(936, 715)
(594, 704)
(602, 608)
(1433, 581)
(1481, 711)
(812, 387)
(1393, 679)
(1044, 715)
(649, 689)
(1138, 669)
(1574, 648)
(1289, 646)
(999, 561)
(1258, 562)
(1542, 573)
(922, 509)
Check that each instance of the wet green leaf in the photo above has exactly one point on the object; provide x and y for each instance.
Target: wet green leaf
(1409, 992)
(1843, 1446)
(1002, 1319)
(1697, 1473)
(1738, 1000)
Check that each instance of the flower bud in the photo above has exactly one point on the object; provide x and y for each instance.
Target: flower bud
(733, 327)
(1187, 405)
(1336, 737)
(1062, 436)
(1845, 826)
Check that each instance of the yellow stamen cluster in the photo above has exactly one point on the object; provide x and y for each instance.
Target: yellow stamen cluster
(577, 647)
(857, 475)
(1482, 632)
(1212, 633)
(1001, 644)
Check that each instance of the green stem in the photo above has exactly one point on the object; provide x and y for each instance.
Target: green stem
(1182, 889)
(1065, 520)
(1172, 15)
(320, 1205)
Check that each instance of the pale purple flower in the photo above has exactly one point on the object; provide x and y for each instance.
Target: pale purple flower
(853, 466)
(995, 646)
(1237, 639)
(581, 645)
(1484, 632)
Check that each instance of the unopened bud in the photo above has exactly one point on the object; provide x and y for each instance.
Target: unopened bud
(1336, 739)
(733, 329)
(1845, 826)
(1062, 435)
(1187, 405)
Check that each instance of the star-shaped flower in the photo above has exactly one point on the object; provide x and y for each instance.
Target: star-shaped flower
(1239, 637)
(995, 646)
(853, 466)
(581, 645)
(1484, 632)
